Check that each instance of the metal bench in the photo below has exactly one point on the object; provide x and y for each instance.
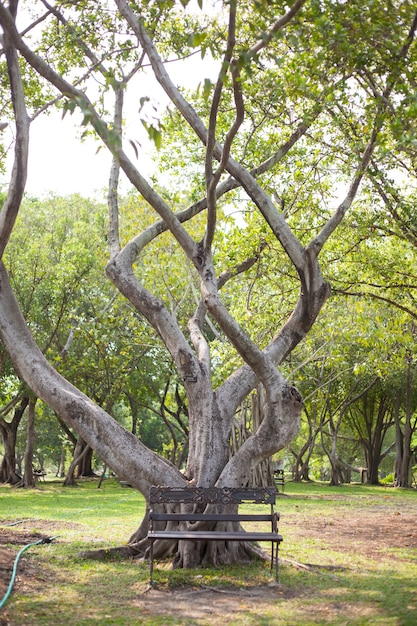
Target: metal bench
(201, 499)
(39, 474)
(279, 479)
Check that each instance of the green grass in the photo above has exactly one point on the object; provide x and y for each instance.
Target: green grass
(107, 513)
(342, 586)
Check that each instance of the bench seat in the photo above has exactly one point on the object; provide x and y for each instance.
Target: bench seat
(201, 535)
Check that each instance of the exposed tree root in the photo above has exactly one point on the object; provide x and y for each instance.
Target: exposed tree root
(190, 556)
(196, 555)
(121, 552)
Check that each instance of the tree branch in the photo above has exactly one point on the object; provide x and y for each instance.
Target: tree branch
(93, 424)
(264, 203)
(16, 188)
(112, 198)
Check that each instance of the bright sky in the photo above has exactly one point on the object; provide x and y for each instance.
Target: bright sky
(60, 163)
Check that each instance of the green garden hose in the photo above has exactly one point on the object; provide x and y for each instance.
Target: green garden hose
(16, 562)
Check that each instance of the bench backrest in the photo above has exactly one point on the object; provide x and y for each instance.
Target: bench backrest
(212, 495)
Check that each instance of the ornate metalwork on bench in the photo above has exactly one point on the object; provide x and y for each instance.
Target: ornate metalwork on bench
(212, 495)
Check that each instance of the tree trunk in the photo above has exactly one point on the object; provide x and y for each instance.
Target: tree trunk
(301, 468)
(28, 476)
(81, 450)
(399, 442)
(408, 432)
(372, 417)
(8, 473)
(372, 467)
(60, 470)
(8, 430)
(102, 477)
(403, 442)
(210, 417)
(190, 554)
(85, 468)
(335, 477)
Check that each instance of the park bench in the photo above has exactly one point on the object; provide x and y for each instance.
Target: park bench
(39, 474)
(279, 479)
(124, 483)
(179, 525)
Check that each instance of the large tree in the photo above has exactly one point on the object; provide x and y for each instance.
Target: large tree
(269, 135)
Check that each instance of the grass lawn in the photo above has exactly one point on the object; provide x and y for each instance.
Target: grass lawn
(349, 557)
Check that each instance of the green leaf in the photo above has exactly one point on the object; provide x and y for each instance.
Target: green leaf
(69, 106)
(154, 133)
(207, 87)
(142, 102)
(196, 39)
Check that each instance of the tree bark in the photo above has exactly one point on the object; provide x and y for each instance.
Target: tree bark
(403, 440)
(8, 430)
(28, 476)
(85, 467)
(80, 452)
(60, 468)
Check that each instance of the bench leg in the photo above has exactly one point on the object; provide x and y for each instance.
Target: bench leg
(276, 559)
(276, 563)
(150, 562)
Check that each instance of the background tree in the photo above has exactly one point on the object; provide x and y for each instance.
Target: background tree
(8, 429)
(356, 343)
(52, 267)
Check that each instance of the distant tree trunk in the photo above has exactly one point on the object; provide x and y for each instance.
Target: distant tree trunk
(399, 441)
(372, 443)
(134, 413)
(408, 433)
(85, 467)
(301, 467)
(60, 470)
(336, 474)
(28, 476)
(251, 413)
(8, 473)
(8, 430)
(403, 440)
(102, 477)
(81, 450)
(300, 470)
(71, 438)
(335, 465)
